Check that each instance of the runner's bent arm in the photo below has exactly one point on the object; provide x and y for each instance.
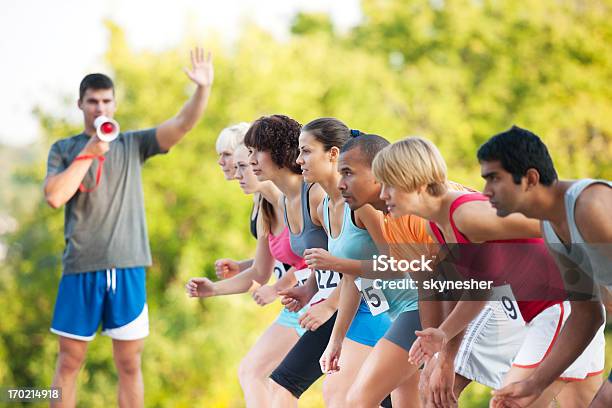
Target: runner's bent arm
(478, 221)
(259, 272)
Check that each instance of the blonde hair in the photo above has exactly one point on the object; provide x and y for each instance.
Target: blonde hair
(231, 137)
(410, 164)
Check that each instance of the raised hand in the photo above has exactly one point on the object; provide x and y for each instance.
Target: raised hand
(200, 287)
(202, 72)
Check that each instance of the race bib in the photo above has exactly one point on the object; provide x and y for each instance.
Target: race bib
(374, 298)
(279, 269)
(505, 296)
(302, 276)
(327, 281)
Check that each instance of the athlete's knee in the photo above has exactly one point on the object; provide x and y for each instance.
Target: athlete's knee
(275, 387)
(71, 356)
(357, 400)
(70, 362)
(278, 391)
(333, 396)
(127, 356)
(250, 368)
(128, 365)
(352, 400)
(357, 397)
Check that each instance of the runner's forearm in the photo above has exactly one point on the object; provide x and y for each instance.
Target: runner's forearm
(348, 304)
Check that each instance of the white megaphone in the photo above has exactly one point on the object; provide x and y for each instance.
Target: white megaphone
(107, 129)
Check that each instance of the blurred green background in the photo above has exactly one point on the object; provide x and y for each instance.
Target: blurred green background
(455, 71)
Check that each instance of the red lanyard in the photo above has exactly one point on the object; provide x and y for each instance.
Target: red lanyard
(100, 159)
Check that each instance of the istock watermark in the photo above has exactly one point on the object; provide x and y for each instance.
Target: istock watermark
(383, 263)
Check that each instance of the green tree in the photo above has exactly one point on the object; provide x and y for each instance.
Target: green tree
(456, 71)
(471, 69)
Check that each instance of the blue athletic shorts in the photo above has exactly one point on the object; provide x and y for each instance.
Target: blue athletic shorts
(290, 319)
(115, 298)
(367, 329)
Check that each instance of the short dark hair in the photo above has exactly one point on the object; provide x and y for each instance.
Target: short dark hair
(519, 150)
(331, 132)
(368, 144)
(95, 81)
(277, 134)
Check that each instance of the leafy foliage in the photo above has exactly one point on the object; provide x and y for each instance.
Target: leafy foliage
(457, 71)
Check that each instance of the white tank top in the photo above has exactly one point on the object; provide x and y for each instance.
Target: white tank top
(590, 258)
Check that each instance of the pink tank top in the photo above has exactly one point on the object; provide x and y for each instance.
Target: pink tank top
(526, 266)
(280, 248)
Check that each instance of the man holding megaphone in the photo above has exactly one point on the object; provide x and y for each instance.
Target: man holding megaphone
(97, 175)
(107, 129)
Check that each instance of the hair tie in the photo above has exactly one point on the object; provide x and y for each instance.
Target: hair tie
(355, 132)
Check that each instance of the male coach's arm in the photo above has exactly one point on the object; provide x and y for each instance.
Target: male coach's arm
(61, 187)
(172, 131)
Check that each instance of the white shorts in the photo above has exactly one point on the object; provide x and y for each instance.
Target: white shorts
(542, 333)
(489, 345)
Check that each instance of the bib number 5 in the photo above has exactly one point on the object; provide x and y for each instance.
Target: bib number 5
(374, 298)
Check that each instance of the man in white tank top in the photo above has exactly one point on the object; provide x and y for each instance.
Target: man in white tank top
(576, 224)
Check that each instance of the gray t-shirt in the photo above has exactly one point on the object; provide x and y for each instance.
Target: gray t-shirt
(106, 228)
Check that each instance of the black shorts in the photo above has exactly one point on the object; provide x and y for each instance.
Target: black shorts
(300, 368)
(402, 329)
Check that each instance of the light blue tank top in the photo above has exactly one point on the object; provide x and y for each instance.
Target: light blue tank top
(352, 242)
(591, 258)
(356, 243)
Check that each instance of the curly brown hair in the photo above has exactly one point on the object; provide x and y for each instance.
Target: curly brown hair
(277, 134)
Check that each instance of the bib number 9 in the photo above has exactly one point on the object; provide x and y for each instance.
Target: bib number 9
(509, 307)
(504, 295)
